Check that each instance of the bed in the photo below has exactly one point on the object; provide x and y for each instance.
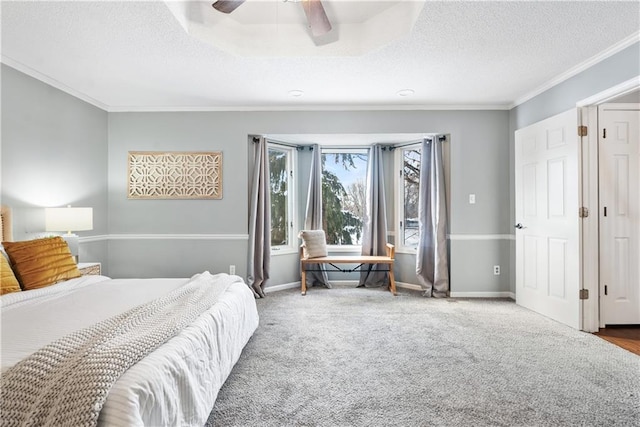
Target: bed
(175, 384)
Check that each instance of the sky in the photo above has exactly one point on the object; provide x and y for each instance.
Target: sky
(350, 176)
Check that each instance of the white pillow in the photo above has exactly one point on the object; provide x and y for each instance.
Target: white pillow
(314, 243)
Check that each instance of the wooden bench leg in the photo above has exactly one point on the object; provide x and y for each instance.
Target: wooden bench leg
(303, 281)
(392, 281)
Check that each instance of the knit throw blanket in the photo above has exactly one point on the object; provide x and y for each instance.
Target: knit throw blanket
(67, 381)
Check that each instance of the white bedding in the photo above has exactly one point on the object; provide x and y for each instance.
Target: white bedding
(177, 384)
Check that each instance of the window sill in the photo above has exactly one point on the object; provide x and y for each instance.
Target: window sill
(410, 251)
(283, 251)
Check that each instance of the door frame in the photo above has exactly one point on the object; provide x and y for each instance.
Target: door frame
(590, 247)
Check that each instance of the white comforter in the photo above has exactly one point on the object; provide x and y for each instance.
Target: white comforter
(175, 385)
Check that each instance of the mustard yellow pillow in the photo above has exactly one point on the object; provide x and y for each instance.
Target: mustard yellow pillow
(41, 262)
(8, 279)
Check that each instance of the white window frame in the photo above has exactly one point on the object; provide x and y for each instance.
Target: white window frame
(345, 150)
(399, 199)
(292, 246)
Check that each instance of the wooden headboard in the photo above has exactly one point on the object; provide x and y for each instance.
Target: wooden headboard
(5, 224)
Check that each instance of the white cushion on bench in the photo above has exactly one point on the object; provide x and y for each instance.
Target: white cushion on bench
(314, 243)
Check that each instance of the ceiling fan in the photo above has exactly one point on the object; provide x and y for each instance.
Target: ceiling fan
(317, 19)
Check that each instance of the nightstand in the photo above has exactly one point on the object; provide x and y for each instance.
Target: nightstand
(89, 268)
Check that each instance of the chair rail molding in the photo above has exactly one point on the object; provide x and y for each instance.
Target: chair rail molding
(481, 237)
(88, 239)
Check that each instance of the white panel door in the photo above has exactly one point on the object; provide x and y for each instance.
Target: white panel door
(548, 225)
(619, 188)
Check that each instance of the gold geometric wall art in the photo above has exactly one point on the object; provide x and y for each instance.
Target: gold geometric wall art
(174, 175)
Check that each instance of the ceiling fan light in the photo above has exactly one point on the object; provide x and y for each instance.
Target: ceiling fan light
(227, 6)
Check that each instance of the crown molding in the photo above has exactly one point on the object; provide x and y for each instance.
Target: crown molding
(52, 82)
(621, 89)
(246, 108)
(310, 107)
(612, 50)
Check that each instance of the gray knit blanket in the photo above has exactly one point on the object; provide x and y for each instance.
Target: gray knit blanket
(67, 381)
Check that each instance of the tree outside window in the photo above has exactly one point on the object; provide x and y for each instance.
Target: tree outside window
(279, 177)
(410, 203)
(343, 195)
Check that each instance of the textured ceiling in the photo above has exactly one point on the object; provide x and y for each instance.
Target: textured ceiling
(270, 28)
(132, 55)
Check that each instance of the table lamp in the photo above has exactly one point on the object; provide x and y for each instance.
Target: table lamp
(69, 219)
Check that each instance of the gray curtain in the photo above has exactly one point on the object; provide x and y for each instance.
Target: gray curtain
(374, 230)
(259, 254)
(313, 215)
(431, 260)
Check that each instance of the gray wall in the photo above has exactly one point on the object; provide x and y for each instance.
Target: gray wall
(58, 150)
(54, 153)
(479, 164)
(145, 257)
(618, 68)
(54, 143)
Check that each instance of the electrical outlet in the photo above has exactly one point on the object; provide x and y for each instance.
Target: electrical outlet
(472, 199)
(232, 269)
(496, 270)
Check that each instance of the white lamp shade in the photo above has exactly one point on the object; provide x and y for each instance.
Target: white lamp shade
(68, 219)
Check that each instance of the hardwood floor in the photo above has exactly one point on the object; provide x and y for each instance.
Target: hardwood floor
(627, 337)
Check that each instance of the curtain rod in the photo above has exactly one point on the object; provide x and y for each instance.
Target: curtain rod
(391, 147)
(441, 138)
(286, 144)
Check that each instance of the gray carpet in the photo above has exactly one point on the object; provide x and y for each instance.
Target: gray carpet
(360, 357)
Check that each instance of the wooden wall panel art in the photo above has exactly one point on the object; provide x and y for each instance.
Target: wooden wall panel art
(174, 175)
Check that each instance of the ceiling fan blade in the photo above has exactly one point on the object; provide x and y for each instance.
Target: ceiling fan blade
(227, 6)
(316, 17)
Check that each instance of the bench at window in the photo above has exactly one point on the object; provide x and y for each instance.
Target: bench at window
(349, 259)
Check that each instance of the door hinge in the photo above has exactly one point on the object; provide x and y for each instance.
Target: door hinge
(583, 212)
(606, 291)
(584, 293)
(582, 131)
(604, 133)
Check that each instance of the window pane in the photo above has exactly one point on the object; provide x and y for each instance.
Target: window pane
(411, 175)
(343, 196)
(279, 174)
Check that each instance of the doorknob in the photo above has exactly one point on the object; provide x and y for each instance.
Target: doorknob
(519, 226)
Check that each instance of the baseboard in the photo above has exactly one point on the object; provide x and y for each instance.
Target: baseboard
(511, 295)
(483, 295)
(282, 287)
(410, 286)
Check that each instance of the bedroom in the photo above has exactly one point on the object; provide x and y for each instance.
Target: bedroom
(59, 148)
